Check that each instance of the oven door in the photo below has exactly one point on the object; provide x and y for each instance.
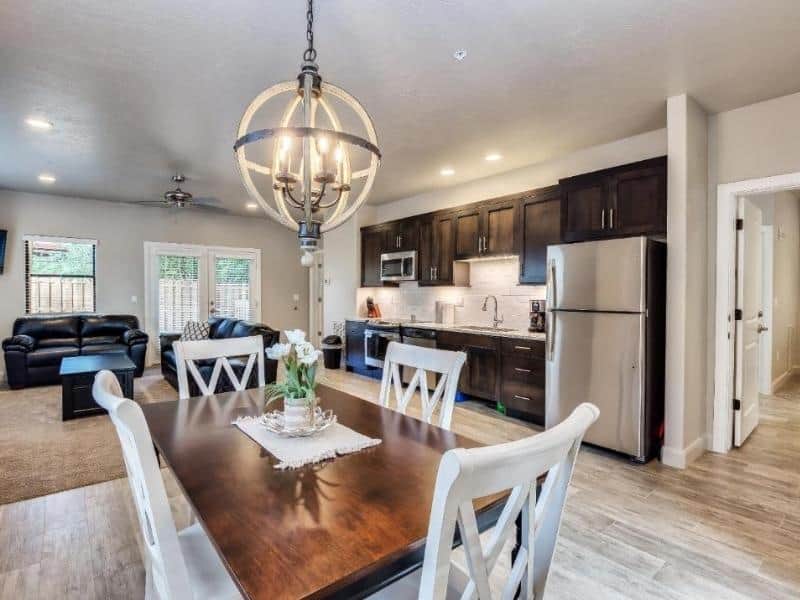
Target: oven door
(375, 345)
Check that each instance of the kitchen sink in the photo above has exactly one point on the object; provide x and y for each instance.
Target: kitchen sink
(485, 328)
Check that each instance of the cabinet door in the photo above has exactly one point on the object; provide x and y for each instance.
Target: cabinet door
(540, 226)
(498, 229)
(372, 245)
(583, 213)
(426, 255)
(408, 232)
(482, 368)
(468, 232)
(639, 201)
(443, 249)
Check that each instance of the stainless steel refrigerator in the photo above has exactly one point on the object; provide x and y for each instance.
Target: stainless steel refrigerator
(605, 340)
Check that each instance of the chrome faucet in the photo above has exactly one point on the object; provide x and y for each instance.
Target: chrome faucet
(496, 320)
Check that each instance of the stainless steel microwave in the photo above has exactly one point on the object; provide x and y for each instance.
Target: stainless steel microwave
(399, 266)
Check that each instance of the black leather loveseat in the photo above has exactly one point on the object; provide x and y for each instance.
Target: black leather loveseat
(221, 328)
(33, 354)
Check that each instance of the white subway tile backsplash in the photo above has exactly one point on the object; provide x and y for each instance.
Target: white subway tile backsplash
(496, 277)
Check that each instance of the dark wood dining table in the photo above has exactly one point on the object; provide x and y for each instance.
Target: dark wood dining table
(339, 529)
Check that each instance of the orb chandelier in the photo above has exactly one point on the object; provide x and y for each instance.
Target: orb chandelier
(314, 174)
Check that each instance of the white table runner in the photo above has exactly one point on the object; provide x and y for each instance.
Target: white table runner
(293, 453)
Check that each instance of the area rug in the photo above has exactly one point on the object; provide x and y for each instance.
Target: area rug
(40, 454)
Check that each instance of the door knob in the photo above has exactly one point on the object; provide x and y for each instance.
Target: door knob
(762, 328)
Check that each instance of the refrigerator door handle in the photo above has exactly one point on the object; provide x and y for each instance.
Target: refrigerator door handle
(550, 332)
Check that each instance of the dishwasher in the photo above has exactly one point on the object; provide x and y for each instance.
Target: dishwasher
(417, 336)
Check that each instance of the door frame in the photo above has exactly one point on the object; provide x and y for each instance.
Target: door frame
(204, 252)
(725, 291)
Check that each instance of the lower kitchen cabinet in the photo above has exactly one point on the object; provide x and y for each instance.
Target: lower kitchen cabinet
(523, 379)
(354, 345)
(480, 375)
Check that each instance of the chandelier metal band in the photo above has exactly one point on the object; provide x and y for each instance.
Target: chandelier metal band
(300, 132)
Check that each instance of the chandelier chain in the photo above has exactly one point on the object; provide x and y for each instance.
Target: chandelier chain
(310, 55)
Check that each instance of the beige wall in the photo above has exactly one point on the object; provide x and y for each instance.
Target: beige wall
(687, 187)
(122, 229)
(785, 284)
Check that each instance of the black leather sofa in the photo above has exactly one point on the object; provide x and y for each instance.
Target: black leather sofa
(221, 328)
(33, 354)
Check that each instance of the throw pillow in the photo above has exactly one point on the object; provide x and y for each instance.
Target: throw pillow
(195, 330)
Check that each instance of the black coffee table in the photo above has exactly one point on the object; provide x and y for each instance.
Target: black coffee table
(77, 376)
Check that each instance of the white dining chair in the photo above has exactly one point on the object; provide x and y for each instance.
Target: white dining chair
(179, 565)
(465, 475)
(186, 353)
(445, 363)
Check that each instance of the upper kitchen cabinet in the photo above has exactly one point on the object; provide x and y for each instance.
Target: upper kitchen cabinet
(372, 245)
(402, 236)
(437, 252)
(539, 225)
(626, 200)
(486, 230)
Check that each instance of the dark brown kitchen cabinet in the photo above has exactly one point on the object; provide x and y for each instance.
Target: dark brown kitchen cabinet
(487, 230)
(539, 225)
(480, 376)
(402, 236)
(626, 200)
(437, 253)
(372, 244)
(523, 379)
(354, 345)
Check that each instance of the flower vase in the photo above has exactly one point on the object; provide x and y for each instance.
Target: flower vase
(298, 413)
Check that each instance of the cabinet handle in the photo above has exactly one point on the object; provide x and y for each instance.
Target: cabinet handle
(611, 218)
(484, 244)
(603, 219)
(521, 398)
(520, 370)
(522, 348)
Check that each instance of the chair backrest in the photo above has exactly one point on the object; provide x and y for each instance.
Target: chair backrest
(468, 474)
(162, 554)
(446, 363)
(188, 352)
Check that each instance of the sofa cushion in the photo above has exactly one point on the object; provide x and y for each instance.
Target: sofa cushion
(58, 342)
(42, 328)
(48, 357)
(168, 358)
(100, 340)
(222, 328)
(104, 349)
(94, 326)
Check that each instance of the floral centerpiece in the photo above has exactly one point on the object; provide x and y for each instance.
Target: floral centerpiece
(298, 389)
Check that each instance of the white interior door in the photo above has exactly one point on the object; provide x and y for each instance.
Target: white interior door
(765, 339)
(748, 329)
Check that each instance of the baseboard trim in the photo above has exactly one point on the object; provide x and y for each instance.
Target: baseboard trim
(681, 458)
(781, 379)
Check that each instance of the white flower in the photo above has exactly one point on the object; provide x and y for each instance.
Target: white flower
(279, 351)
(296, 336)
(307, 354)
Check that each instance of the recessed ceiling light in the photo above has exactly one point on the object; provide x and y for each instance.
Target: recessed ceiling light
(47, 178)
(493, 156)
(447, 171)
(251, 206)
(37, 123)
(460, 54)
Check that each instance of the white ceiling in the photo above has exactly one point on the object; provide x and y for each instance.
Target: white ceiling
(139, 90)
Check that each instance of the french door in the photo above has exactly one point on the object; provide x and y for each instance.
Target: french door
(193, 283)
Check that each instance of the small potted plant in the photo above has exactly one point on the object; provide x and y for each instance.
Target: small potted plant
(298, 389)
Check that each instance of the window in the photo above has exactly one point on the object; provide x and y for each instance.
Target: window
(232, 287)
(178, 291)
(59, 275)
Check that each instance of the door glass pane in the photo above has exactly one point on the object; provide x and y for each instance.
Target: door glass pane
(178, 292)
(232, 287)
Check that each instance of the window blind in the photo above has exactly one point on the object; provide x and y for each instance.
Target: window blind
(59, 275)
(232, 287)
(178, 292)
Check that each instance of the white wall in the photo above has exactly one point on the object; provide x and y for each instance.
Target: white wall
(687, 186)
(786, 284)
(122, 229)
(619, 152)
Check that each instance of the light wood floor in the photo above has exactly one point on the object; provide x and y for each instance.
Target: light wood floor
(727, 527)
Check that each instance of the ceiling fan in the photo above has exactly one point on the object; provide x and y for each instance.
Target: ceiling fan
(179, 198)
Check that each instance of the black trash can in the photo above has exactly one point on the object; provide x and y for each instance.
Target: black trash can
(332, 351)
